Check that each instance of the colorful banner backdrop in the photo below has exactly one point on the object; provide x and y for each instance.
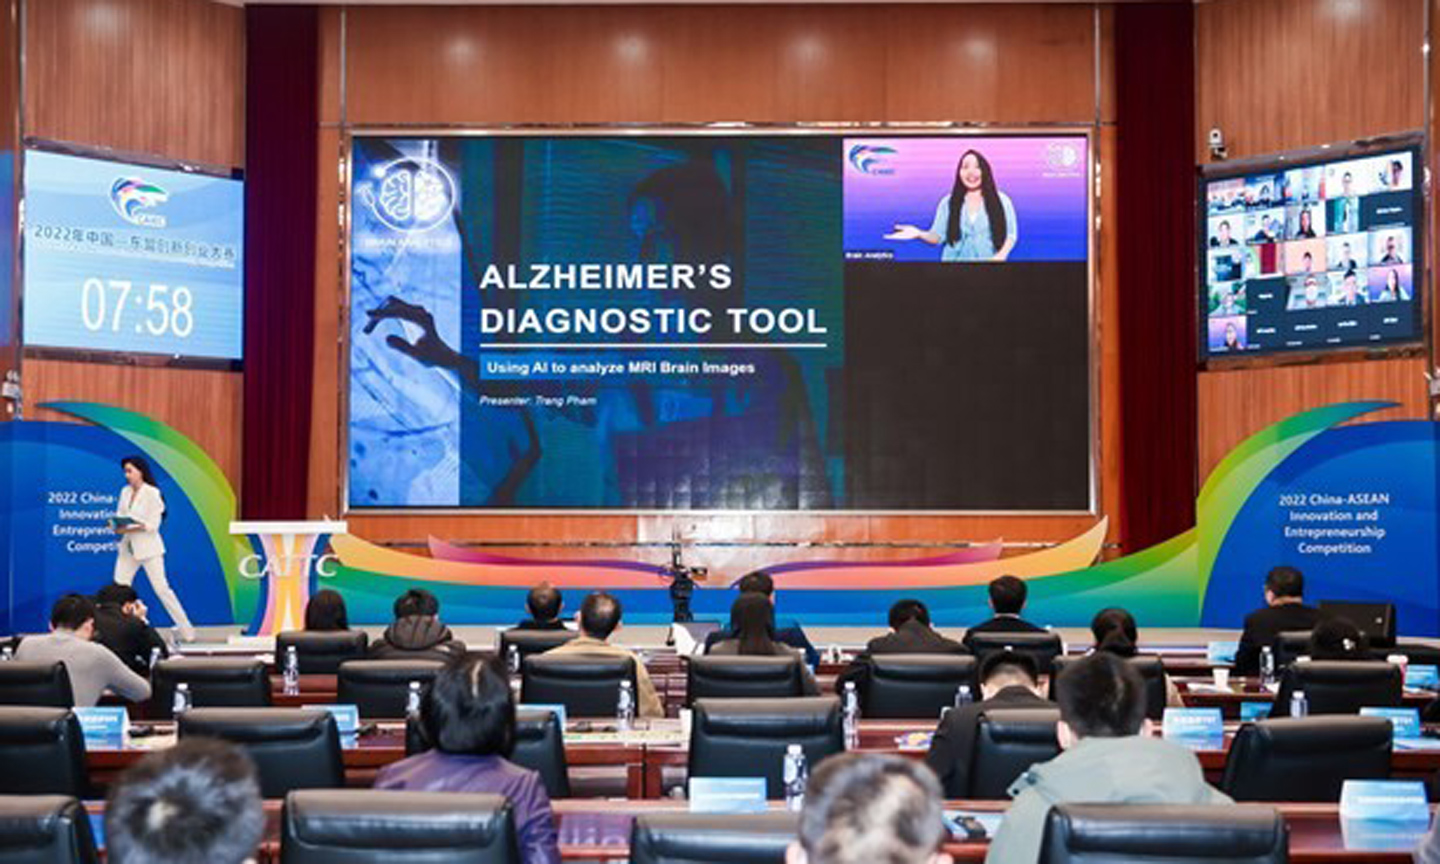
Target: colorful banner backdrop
(1353, 506)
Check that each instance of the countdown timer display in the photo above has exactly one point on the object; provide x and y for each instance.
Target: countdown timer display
(132, 259)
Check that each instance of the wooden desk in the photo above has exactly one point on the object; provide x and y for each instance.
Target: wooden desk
(1249, 690)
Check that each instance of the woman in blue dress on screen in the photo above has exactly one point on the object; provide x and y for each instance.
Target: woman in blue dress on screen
(981, 227)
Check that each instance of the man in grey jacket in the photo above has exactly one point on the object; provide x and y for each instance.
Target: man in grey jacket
(92, 667)
(1109, 757)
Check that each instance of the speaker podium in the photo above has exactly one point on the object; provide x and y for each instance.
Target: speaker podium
(289, 558)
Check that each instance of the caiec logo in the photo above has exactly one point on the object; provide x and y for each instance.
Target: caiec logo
(132, 197)
(411, 194)
(870, 159)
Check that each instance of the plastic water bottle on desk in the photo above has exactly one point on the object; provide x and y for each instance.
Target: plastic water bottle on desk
(154, 657)
(292, 671)
(795, 774)
(963, 696)
(182, 702)
(7, 653)
(1299, 705)
(625, 707)
(1267, 666)
(412, 700)
(850, 716)
(512, 659)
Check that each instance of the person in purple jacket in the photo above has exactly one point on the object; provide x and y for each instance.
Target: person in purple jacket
(469, 715)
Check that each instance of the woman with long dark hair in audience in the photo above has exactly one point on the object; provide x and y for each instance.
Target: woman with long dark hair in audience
(1115, 633)
(326, 612)
(1338, 639)
(752, 620)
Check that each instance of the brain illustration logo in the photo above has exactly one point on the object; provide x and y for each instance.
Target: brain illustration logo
(412, 194)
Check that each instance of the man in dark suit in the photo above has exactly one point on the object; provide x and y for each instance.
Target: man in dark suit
(1007, 601)
(910, 633)
(121, 626)
(1008, 679)
(544, 603)
(761, 582)
(1284, 610)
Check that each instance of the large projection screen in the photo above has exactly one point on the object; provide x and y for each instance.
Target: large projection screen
(694, 320)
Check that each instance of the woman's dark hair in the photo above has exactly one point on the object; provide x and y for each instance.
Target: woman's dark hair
(143, 466)
(326, 611)
(1338, 639)
(994, 210)
(469, 710)
(751, 617)
(1114, 632)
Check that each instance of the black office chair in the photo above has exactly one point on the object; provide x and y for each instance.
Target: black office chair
(362, 826)
(749, 737)
(539, 746)
(1305, 759)
(1163, 834)
(587, 685)
(214, 682)
(1151, 669)
(320, 652)
(1044, 647)
(723, 676)
(717, 838)
(914, 686)
(45, 829)
(43, 751)
(1290, 646)
(292, 748)
(35, 684)
(531, 642)
(1340, 686)
(1007, 742)
(381, 688)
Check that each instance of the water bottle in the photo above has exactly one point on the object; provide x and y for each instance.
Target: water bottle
(795, 774)
(292, 671)
(154, 657)
(412, 700)
(962, 696)
(625, 707)
(850, 716)
(7, 653)
(182, 701)
(1267, 665)
(1299, 705)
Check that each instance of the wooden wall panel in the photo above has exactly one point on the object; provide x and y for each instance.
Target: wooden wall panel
(204, 405)
(1290, 74)
(143, 76)
(434, 66)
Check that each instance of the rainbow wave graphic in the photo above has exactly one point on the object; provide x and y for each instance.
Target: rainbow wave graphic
(131, 195)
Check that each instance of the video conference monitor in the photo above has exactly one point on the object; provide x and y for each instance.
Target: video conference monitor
(686, 320)
(123, 258)
(1312, 254)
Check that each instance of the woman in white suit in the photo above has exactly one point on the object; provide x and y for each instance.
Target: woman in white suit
(140, 543)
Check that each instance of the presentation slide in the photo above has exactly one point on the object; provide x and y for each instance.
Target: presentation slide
(1311, 257)
(132, 259)
(720, 322)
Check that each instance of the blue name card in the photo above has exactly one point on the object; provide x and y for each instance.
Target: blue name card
(1193, 724)
(727, 794)
(1252, 711)
(103, 728)
(1220, 653)
(1422, 677)
(542, 706)
(347, 722)
(1404, 722)
(1388, 800)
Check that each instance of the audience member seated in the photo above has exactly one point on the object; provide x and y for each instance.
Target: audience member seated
(1284, 610)
(1007, 601)
(1109, 756)
(1008, 679)
(92, 667)
(469, 715)
(195, 803)
(870, 809)
(750, 619)
(1115, 633)
(326, 612)
(544, 604)
(1338, 639)
(417, 633)
(122, 625)
(599, 618)
(761, 583)
(910, 633)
